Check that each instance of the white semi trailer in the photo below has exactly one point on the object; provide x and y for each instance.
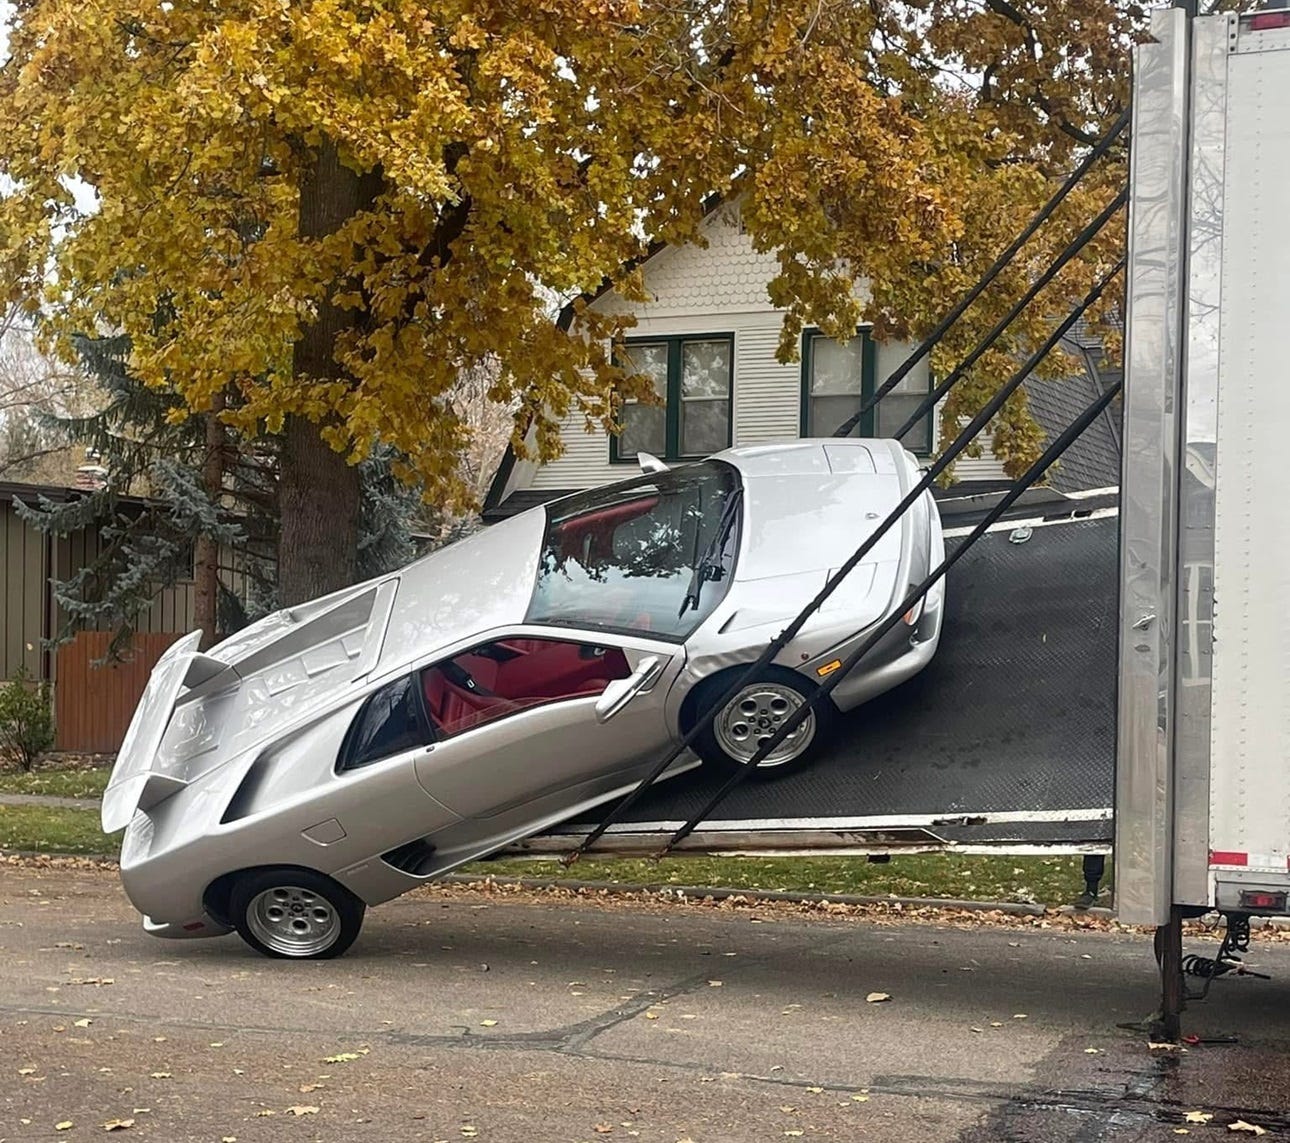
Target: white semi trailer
(1203, 757)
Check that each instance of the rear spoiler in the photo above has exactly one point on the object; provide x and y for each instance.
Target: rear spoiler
(294, 646)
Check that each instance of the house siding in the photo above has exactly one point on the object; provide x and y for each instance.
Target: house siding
(720, 288)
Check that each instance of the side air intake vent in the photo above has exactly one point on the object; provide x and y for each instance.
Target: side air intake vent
(416, 859)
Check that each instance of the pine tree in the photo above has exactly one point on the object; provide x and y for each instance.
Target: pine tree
(182, 497)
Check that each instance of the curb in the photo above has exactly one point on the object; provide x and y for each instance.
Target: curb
(723, 893)
(52, 800)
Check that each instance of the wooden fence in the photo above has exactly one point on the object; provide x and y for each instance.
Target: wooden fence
(93, 705)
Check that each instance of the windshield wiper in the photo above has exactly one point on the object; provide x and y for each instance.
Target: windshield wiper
(708, 565)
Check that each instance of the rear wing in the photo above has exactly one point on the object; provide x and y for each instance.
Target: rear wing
(315, 651)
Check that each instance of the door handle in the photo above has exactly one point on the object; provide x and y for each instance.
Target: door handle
(621, 691)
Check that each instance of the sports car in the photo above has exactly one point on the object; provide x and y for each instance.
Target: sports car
(334, 755)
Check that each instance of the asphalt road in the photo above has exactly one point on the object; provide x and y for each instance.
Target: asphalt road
(460, 1015)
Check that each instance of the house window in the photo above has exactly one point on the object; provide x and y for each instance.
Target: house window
(839, 376)
(692, 377)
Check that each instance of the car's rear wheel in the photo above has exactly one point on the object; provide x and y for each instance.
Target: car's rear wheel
(752, 717)
(295, 914)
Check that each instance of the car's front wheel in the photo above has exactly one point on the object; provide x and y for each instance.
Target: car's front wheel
(751, 718)
(295, 914)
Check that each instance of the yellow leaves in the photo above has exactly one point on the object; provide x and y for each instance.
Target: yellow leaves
(522, 157)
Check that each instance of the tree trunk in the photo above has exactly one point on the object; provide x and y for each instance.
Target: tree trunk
(206, 554)
(318, 491)
(318, 499)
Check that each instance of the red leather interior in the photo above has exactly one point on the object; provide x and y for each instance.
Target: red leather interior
(543, 671)
(598, 527)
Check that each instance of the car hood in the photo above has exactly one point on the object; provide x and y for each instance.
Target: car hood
(806, 511)
(200, 710)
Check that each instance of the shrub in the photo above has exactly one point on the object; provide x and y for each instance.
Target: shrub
(26, 720)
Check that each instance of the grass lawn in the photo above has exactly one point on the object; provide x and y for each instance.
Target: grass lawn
(60, 783)
(49, 829)
(1046, 880)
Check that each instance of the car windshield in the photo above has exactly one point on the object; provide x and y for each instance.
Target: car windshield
(651, 556)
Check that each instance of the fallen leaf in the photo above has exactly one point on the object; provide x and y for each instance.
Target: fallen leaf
(1181, 1131)
(66, 1125)
(1152, 1045)
(815, 1090)
(974, 1029)
(787, 1108)
(301, 1110)
(228, 1139)
(159, 1075)
(266, 1111)
(118, 1124)
(217, 1044)
(84, 1023)
(26, 1071)
(1247, 1128)
(794, 1131)
(1198, 1117)
(488, 1023)
(877, 997)
(715, 983)
(1020, 1016)
(306, 1088)
(603, 1128)
(996, 1023)
(651, 1015)
(346, 1057)
(860, 1098)
(1092, 1051)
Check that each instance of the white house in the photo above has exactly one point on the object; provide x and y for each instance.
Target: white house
(708, 337)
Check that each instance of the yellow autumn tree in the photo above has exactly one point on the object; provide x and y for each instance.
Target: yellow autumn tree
(331, 208)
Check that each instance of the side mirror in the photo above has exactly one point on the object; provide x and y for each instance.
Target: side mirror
(621, 691)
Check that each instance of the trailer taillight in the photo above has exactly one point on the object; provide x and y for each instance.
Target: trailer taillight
(1263, 899)
(1264, 21)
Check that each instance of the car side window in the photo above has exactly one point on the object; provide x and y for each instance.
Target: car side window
(391, 721)
(504, 677)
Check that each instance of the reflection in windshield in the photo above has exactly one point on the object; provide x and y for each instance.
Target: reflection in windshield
(623, 557)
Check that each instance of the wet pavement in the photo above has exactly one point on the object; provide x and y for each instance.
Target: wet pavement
(465, 1015)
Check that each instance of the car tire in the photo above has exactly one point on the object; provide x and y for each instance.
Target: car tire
(732, 736)
(295, 914)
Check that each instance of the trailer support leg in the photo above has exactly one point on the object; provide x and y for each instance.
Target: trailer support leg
(1168, 946)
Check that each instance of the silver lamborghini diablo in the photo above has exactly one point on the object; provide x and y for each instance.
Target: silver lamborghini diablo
(334, 755)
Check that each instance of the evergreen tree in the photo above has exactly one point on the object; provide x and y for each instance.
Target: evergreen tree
(182, 497)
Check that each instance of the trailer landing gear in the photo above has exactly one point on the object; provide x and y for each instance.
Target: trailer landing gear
(1165, 1024)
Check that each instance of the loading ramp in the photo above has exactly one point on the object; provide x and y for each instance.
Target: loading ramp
(1006, 741)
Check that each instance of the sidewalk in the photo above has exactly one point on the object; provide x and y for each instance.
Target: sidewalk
(49, 800)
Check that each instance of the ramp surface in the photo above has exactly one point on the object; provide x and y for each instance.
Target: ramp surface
(1006, 739)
